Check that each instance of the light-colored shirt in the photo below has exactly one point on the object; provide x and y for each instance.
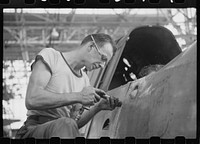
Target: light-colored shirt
(62, 80)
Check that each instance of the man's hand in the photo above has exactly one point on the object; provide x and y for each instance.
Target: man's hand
(90, 95)
(109, 103)
(101, 93)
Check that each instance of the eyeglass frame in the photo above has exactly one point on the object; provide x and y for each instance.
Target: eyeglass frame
(97, 48)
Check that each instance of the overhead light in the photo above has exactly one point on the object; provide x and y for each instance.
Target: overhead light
(126, 62)
(54, 33)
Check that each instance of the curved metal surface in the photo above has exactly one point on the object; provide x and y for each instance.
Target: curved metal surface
(164, 105)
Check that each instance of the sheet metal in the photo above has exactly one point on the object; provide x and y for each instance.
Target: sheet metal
(164, 105)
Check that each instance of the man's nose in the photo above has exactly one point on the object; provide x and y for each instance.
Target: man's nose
(102, 65)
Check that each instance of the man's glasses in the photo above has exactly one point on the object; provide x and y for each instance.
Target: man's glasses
(103, 56)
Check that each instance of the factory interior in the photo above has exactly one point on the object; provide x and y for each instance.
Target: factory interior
(26, 31)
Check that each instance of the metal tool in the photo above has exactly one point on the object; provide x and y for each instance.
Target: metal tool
(106, 96)
(85, 108)
(118, 104)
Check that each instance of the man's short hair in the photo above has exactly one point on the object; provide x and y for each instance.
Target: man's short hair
(146, 70)
(100, 39)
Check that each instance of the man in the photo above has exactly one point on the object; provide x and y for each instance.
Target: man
(58, 87)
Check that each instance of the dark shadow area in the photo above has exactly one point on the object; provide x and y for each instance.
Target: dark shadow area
(147, 46)
(106, 124)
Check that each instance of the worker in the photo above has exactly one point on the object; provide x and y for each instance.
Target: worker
(146, 70)
(59, 89)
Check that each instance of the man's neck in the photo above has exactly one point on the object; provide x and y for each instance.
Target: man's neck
(74, 60)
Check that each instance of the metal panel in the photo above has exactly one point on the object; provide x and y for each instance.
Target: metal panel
(96, 128)
(164, 106)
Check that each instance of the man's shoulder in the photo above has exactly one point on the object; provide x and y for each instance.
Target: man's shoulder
(48, 56)
(49, 50)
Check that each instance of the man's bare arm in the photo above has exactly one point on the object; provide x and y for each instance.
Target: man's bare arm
(104, 104)
(38, 98)
(88, 115)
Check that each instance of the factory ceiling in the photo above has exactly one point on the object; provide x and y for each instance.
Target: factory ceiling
(25, 34)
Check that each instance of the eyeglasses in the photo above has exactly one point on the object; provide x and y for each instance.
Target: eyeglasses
(103, 56)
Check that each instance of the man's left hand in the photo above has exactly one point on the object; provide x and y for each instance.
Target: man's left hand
(109, 104)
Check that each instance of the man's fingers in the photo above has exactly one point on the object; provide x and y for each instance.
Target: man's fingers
(101, 93)
(115, 102)
(92, 102)
(96, 97)
(111, 101)
(96, 100)
(89, 102)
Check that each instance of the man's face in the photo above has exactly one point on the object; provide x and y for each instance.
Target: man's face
(100, 56)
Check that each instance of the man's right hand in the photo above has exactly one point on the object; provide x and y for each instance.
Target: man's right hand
(89, 96)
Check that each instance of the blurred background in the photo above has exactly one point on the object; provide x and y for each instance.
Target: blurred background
(27, 31)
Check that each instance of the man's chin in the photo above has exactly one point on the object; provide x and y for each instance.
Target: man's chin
(88, 69)
(91, 69)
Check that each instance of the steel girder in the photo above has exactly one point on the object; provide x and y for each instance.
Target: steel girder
(31, 32)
